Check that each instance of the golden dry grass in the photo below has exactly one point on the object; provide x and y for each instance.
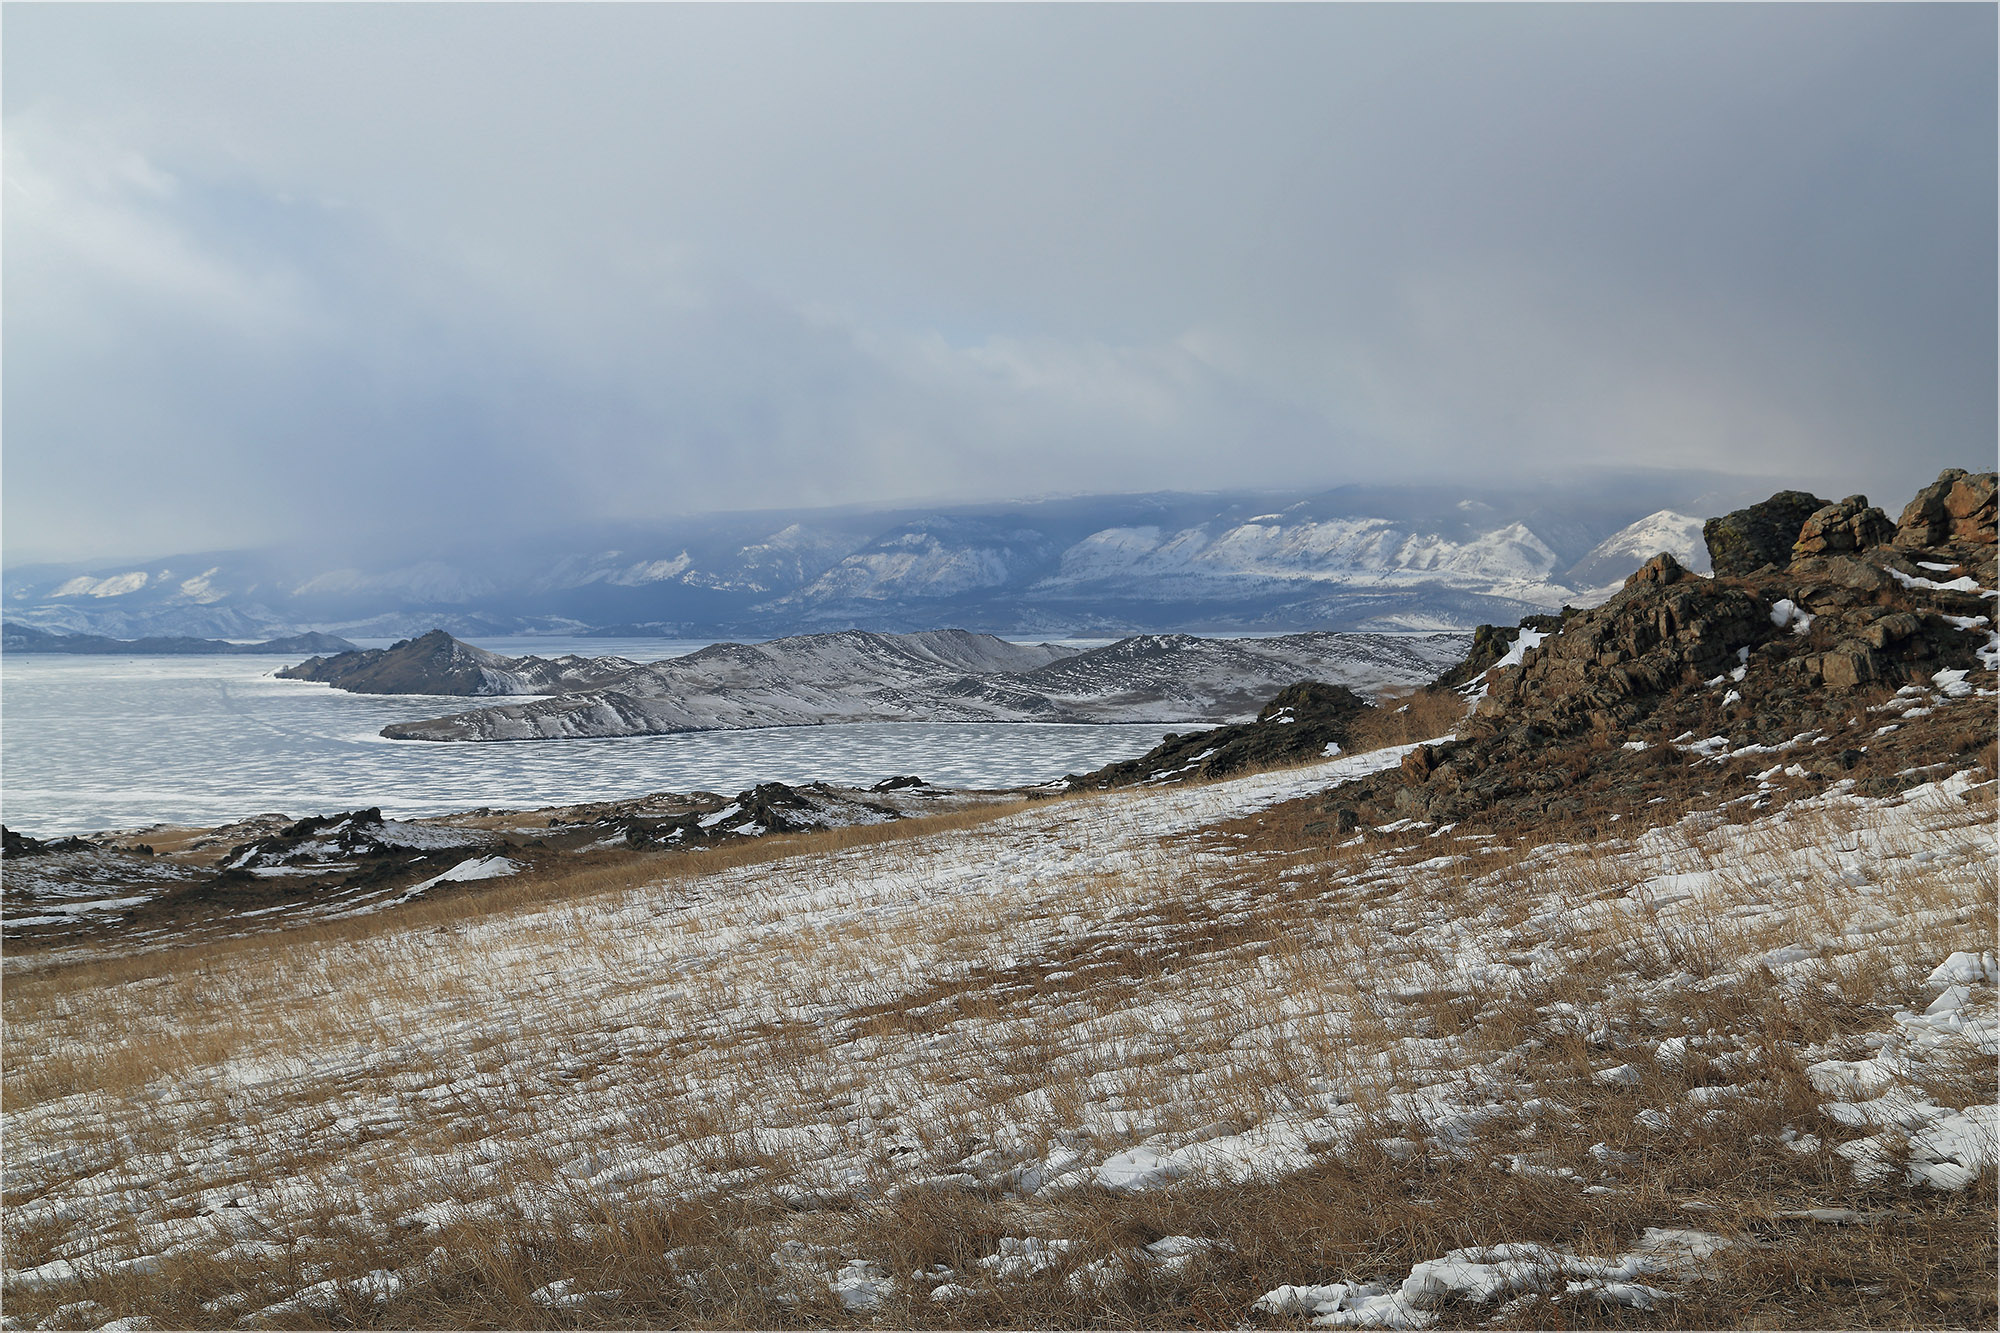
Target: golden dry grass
(737, 1011)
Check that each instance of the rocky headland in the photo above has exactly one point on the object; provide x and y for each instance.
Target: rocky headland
(436, 663)
(953, 676)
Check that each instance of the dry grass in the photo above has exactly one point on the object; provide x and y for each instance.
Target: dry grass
(1401, 717)
(837, 1046)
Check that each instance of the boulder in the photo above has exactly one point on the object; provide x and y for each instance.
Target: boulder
(1849, 525)
(1662, 568)
(1958, 506)
(1762, 534)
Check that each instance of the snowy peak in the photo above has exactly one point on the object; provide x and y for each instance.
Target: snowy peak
(1625, 550)
(1351, 559)
(1299, 549)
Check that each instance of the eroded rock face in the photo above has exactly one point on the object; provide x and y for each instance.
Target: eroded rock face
(1608, 661)
(1762, 534)
(1849, 525)
(1958, 506)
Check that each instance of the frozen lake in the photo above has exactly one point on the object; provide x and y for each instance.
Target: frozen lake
(92, 743)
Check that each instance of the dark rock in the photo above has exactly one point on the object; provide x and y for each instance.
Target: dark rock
(356, 835)
(1762, 534)
(14, 844)
(1850, 525)
(898, 784)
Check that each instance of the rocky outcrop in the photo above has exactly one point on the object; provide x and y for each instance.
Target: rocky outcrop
(353, 836)
(1957, 507)
(1305, 721)
(1849, 525)
(1490, 643)
(1676, 669)
(13, 844)
(1762, 534)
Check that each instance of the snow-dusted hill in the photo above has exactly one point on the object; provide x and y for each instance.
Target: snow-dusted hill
(952, 676)
(1625, 550)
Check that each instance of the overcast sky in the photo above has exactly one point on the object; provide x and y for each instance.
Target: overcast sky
(285, 271)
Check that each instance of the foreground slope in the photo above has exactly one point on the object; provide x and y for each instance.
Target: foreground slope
(1154, 1057)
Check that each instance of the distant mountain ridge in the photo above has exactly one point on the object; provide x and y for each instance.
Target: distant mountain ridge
(1101, 566)
(26, 639)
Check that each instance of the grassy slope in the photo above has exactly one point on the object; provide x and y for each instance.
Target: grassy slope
(712, 1089)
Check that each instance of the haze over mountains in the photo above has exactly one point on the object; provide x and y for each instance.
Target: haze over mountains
(1352, 559)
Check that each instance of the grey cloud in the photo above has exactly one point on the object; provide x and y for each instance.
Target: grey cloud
(370, 273)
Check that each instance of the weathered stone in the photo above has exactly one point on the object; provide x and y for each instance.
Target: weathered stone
(1662, 568)
(1958, 506)
(1892, 628)
(1761, 534)
(1849, 664)
(1839, 571)
(1850, 525)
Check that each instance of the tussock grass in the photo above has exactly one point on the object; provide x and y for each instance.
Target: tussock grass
(837, 1047)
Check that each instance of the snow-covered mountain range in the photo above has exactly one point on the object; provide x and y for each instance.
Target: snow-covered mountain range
(1352, 559)
(952, 676)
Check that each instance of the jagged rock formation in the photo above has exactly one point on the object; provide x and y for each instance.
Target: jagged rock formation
(666, 821)
(436, 663)
(955, 676)
(356, 835)
(1675, 668)
(1305, 721)
(1760, 534)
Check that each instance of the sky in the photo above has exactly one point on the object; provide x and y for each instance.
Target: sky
(342, 274)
